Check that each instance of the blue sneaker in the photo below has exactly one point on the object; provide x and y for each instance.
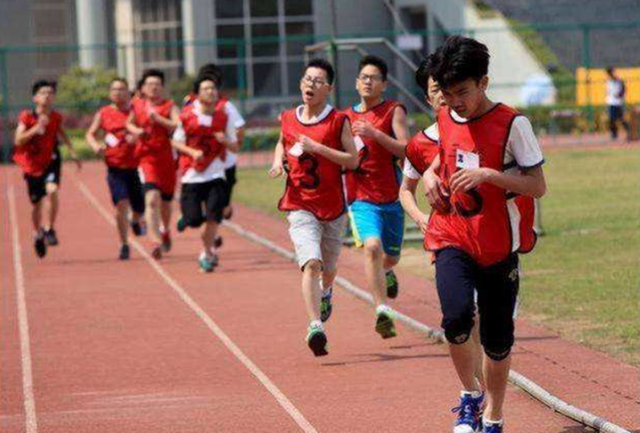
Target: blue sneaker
(206, 263)
(469, 413)
(492, 427)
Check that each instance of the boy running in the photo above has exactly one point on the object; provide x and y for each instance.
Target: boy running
(201, 140)
(37, 153)
(480, 187)
(118, 149)
(377, 218)
(152, 122)
(316, 142)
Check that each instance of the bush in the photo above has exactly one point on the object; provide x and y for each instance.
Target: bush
(181, 88)
(84, 90)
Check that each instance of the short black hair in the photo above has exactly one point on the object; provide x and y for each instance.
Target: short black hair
(459, 59)
(152, 73)
(324, 65)
(39, 84)
(201, 79)
(119, 80)
(377, 62)
(211, 70)
(610, 70)
(424, 71)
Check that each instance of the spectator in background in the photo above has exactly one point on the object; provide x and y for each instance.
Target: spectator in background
(615, 101)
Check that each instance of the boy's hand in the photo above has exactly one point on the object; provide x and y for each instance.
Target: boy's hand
(130, 139)
(466, 179)
(437, 196)
(276, 170)
(42, 122)
(308, 145)
(100, 150)
(364, 128)
(422, 223)
(197, 154)
(220, 137)
(74, 158)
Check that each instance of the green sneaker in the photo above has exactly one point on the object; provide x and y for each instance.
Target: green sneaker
(385, 326)
(317, 340)
(206, 264)
(392, 284)
(325, 305)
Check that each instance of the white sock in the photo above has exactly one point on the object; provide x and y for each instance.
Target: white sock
(316, 324)
(327, 290)
(488, 422)
(382, 308)
(474, 394)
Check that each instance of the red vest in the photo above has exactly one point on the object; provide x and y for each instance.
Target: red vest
(483, 222)
(157, 143)
(421, 151)
(377, 179)
(35, 156)
(119, 152)
(314, 183)
(200, 130)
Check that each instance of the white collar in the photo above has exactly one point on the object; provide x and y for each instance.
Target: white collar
(327, 110)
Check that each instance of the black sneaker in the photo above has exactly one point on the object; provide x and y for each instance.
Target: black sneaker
(125, 253)
(317, 340)
(181, 225)
(40, 245)
(217, 242)
(392, 284)
(385, 326)
(136, 228)
(50, 237)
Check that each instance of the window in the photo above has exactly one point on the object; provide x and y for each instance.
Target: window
(229, 9)
(268, 79)
(264, 8)
(299, 35)
(269, 45)
(229, 50)
(298, 7)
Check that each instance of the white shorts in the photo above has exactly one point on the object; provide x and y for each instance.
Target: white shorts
(316, 240)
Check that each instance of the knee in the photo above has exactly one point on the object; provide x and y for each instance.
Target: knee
(373, 248)
(497, 349)
(52, 189)
(313, 267)
(457, 330)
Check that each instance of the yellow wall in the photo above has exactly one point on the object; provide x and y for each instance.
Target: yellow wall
(594, 92)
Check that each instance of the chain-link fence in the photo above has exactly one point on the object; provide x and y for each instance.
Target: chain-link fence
(553, 73)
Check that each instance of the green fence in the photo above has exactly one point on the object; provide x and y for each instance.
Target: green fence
(262, 74)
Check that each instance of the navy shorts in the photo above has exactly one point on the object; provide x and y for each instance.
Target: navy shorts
(37, 185)
(458, 276)
(124, 184)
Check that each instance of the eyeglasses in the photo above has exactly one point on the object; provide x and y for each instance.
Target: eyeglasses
(364, 77)
(315, 82)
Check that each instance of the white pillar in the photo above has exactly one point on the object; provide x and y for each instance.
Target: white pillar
(197, 26)
(125, 37)
(92, 30)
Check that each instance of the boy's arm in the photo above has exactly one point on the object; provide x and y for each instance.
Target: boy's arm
(277, 167)
(178, 142)
(170, 123)
(410, 204)
(24, 135)
(348, 158)
(72, 152)
(132, 127)
(90, 136)
(399, 125)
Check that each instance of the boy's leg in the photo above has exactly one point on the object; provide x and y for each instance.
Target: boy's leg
(52, 185)
(392, 237)
(497, 295)
(214, 194)
(136, 201)
(52, 205)
(152, 212)
(37, 191)
(230, 174)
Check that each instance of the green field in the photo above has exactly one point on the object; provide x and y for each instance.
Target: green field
(583, 279)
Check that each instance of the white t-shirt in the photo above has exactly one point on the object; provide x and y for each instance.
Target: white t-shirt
(215, 170)
(614, 92)
(235, 121)
(409, 170)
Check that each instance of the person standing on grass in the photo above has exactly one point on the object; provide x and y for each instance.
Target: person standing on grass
(316, 144)
(616, 91)
(203, 144)
(118, 149)
(489, 157)
(377, 218)
(37, 153)
(152, 122)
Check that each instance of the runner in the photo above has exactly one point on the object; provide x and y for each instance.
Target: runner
(316, 143)
(202, 142)
(377, 218)
(152, 122)
(37, 153)
(118, 149)
(488, 156)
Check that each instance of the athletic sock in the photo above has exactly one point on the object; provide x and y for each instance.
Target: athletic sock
(474, 394)
(382, 308)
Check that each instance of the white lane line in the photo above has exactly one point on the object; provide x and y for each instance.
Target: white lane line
(31, 420)
(213, 327)
(536, 391)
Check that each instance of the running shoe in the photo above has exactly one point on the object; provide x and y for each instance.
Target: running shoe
(384, 324)
(217, 242)
(50, 237)
(325, 305)
(206, 264)
(125, 252)
(469, 413)
(137, 228)
(317, 339)
(156, 252)
(181, 225)
(492, 427)
(39, 244)
(392, 284)
(166, 242)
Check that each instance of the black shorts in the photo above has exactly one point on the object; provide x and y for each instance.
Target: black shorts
(149, 186)
(230, 174)
(37, 185)
(457, 277)
(202, 202)
(124, 184)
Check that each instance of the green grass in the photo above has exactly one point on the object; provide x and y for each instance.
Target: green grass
(583, 278)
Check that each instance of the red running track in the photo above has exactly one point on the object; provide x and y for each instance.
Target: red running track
(115, 347)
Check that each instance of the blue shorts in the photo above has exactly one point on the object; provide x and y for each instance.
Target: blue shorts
(381, 221)
(124, 184)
